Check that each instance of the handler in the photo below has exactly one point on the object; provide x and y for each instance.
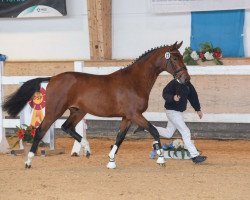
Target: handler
(176, 96)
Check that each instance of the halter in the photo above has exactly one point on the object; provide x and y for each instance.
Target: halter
(184, 68)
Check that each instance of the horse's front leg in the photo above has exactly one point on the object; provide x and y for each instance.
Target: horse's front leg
(124, 127)
(141, 121)
(157, 144)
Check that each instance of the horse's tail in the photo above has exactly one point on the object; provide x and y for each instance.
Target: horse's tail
(14, 103)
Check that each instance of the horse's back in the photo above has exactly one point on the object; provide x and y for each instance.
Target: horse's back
(95, 94)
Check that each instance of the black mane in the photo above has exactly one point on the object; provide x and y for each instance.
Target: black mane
(142, 56)
(145, 54)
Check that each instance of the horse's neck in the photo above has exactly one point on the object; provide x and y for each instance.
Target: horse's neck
(145, 75)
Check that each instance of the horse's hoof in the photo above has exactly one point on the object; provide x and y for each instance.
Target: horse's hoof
(13, 152)
(111, 165)
(74, 154)
(162, 164)
(27, 166)
(87, 154)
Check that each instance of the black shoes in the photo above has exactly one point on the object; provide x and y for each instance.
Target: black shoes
(199, 159)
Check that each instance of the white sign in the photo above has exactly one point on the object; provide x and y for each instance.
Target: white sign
(167, 55)
(39, 11)
(168, 6)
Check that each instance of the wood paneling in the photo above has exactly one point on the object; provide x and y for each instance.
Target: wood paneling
(100, 25)
(217, 94)
(36, 68)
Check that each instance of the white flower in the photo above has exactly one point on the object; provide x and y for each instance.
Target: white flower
(209, 56)
(194, 55)
(178, 143)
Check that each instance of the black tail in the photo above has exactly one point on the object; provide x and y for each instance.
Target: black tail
(14, 103)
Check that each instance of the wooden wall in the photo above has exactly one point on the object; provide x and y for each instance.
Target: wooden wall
(218, 94)
(33, 69)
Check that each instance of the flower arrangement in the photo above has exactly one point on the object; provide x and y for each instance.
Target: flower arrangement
(175, 147)
(206, 53)
(25, 133)
(173, 150)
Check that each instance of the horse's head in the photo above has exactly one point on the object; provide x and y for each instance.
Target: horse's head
(172, 62)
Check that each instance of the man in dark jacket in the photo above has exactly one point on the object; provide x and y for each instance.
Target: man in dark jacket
(176, 96)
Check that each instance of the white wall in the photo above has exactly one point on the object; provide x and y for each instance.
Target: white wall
(135, 30)
(64, 38)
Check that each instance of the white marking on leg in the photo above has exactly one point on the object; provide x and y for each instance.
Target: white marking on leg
(111, 164)
(112, 152)
(30, 157)
(159, 152)
(85, 145)
(77, 148)
(160, 160)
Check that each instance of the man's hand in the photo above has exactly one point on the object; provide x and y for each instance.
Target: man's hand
(177, 97)
(200, 114)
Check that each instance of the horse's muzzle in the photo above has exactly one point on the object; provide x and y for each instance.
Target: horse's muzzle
(183, 78)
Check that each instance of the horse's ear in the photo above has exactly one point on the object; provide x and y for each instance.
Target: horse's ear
(179, 45)
(173, 47)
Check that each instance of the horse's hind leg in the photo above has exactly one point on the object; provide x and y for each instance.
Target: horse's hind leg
(142, 122)
(40, 132)
(124, 127)
(69, 127)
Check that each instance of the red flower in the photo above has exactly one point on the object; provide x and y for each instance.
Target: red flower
(33, 132)
(217, 54)
(201, 55)
(20, 134)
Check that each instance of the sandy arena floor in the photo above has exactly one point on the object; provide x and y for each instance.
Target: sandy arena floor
(225, 175)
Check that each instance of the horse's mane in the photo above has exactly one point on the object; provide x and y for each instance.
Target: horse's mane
(147, 52)
(143, 55)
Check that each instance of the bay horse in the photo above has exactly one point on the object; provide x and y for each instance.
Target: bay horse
(124, 93)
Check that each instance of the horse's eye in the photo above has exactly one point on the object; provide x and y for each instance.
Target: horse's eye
(175, 59)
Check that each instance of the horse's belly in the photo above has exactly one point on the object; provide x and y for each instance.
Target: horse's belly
(105, 102)
(104, 113)
(103, 109)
